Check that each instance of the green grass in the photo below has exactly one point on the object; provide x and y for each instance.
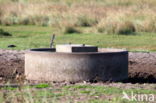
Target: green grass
(42, 85)
(26, 37)
(83, 93)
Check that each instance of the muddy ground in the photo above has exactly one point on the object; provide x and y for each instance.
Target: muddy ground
(142, 66)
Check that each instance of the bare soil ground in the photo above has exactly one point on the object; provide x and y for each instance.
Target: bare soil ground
(142, 66)
(11, 63)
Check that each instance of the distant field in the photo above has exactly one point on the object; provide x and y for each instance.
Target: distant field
(103, 16)
(26, 37)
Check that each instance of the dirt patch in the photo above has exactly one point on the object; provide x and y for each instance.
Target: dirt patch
(142, 66)
(11, 63)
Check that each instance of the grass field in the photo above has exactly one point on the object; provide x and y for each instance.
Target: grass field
(78, 93)
(106, 16)
(26, 37)
(92, 18)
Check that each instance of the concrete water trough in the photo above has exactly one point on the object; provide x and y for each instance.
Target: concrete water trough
(74, 63)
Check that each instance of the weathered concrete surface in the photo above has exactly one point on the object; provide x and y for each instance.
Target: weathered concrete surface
(69, 48)
(52, 66)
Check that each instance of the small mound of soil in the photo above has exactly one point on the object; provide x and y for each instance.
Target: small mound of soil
(11, 63)
(142, 67)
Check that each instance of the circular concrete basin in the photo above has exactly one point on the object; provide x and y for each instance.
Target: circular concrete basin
(47, 65)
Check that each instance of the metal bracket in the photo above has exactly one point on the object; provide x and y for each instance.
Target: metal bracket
(52, 41)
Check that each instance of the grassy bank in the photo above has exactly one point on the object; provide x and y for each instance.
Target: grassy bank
(26, 37)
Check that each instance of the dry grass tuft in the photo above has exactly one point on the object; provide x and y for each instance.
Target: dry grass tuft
(125, 28)
(71, 29)
(85, 21)
(4, 33)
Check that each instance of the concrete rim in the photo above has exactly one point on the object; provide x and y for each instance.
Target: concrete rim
(53, 50)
